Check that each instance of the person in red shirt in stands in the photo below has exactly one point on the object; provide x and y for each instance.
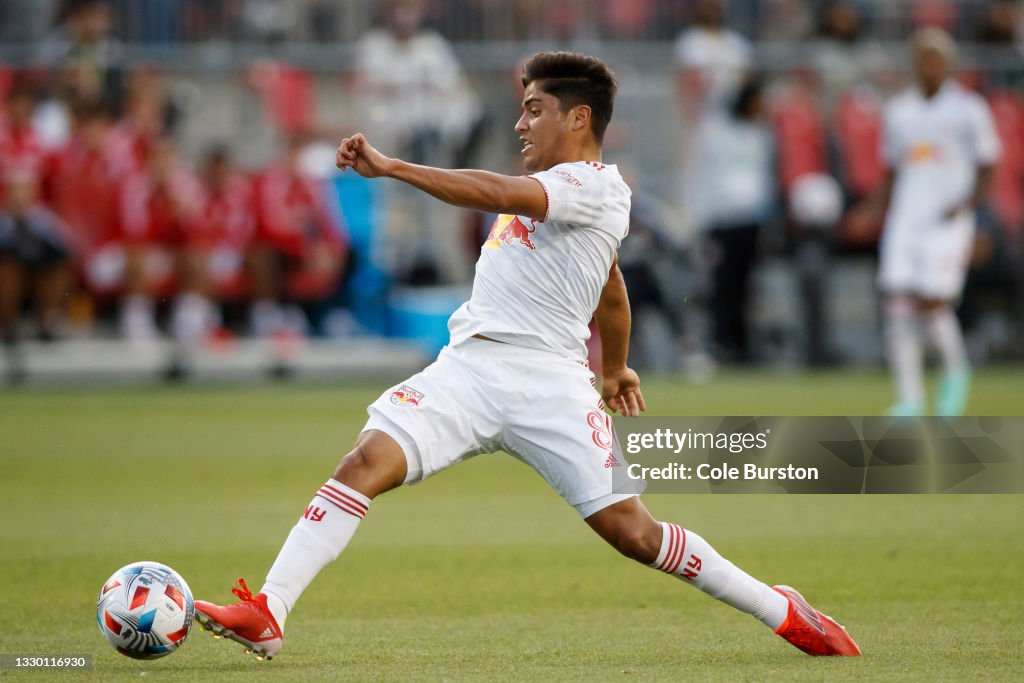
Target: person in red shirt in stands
(217, 251)
(81, 185)
(300, 248)
(21, 150)
(33, 258)
(159, 207)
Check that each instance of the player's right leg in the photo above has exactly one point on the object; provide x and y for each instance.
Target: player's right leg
(376, 464)
(905, 353)
(437, 418)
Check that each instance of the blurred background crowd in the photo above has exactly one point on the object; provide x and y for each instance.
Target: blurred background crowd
(167, 166)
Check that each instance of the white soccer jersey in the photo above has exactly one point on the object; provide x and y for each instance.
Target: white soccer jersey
(935, 146)
(538, 282)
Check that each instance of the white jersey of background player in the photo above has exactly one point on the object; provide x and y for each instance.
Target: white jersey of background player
(514, 377)
(940, 144)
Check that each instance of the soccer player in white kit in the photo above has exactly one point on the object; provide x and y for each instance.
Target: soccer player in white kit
(514, 376)
(941, 145)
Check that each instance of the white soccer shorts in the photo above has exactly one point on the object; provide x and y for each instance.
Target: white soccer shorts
(485, 396)
(928, 261)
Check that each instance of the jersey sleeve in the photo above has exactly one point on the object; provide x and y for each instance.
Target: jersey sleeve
(984, 136)
(574, 195)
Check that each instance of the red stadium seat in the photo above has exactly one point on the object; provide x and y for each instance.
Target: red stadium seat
(288, 93)
(1008, 182)
(801, 135)
(858, 130)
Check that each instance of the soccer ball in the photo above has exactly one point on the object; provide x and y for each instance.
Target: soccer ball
(145, 610)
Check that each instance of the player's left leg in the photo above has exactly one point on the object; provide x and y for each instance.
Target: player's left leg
(630, 529)
(946, 258)
(944, 331)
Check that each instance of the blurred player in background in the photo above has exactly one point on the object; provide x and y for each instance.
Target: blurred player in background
(941, 146)
(515, 374)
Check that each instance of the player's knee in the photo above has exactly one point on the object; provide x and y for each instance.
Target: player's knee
(638, 543)
(369, 471)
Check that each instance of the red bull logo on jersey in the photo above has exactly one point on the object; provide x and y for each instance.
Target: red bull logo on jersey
(510, 230)
(406, 396)
(923, 151)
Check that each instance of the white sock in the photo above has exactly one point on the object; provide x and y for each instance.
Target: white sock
(316, 540)
(266, 318)
(193, 318)
(944, 331)
(689, 557)
(137, 320)
(904, 349)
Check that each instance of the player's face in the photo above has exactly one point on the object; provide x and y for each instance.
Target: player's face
(932, 67)
(541, 129)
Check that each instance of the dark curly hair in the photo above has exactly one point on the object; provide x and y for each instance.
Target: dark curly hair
(575, 79)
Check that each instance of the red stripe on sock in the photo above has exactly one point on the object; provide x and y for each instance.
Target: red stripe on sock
(355, 501)
(682, 550)
(344, 500)
(680, 543)
(667, 531)
(344, 507)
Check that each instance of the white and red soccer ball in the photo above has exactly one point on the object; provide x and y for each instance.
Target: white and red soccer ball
(145, 610)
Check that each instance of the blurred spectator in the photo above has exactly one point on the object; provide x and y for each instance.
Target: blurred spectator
(270, 20)
(218, 247)
(417, 103)
(730, 201)
(778, 20)
(159, 207)
(20, 146)
(1000, 23)
(300, 248)
(148, 114)
(82, 53)
(627, 20)
(815, 205)
(82, 183)
(842, 58)
(33, 257)
(712, 60)
(411, 88)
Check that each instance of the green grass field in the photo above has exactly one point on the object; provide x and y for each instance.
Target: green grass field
(483, 573)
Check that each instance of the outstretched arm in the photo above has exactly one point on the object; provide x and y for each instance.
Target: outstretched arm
(620, 385)
(480, 190)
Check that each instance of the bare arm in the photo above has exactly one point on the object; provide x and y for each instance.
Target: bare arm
(480, 190)
(982, 185)
(620, 385)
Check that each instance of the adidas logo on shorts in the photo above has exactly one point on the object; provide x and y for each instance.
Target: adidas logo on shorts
(611, 462)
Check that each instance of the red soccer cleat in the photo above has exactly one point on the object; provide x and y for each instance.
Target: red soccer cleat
(811, 631)
(248, 622)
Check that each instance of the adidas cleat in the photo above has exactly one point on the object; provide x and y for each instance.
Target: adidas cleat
(807, 629)
(248, 622)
